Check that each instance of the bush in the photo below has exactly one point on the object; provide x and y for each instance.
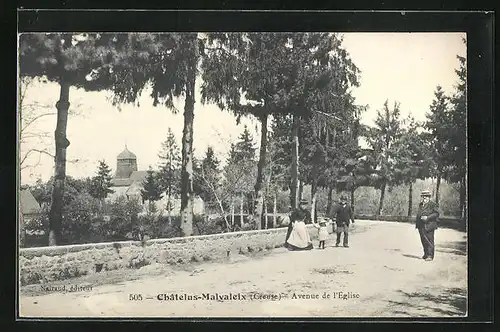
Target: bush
(158, 226)
(78, 216)
(122, 220)
(205, 226)
(38, 224)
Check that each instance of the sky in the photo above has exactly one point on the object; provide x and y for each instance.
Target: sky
(403, 67)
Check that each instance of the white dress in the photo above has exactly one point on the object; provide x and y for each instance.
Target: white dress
(322, 232)
(300, 236)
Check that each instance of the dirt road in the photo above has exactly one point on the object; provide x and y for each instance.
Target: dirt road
(380, 275)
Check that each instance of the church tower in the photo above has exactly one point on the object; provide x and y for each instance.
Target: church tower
(126, 163)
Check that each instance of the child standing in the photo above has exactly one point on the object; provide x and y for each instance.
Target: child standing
(322, 232)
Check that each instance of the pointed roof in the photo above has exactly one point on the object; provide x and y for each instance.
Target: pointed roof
(126, 154)
(29, 204)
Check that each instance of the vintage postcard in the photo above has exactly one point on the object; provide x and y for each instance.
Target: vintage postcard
(248, 174)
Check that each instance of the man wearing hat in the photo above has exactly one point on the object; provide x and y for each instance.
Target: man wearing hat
(343, 214)
(426, 223)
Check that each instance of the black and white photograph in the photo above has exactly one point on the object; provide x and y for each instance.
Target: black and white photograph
(242, 174)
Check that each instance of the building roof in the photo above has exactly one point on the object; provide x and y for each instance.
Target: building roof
(135, 188)
(120, 182)
(138, 176)
(126, 154)
(29, 204)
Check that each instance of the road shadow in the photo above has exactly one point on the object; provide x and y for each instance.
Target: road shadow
(412, 256)
(453, 247)
(450, 302)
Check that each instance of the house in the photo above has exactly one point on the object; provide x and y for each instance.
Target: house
(29, 208)
(128, 181)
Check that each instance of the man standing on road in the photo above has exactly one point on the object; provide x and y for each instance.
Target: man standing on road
(426, 223)
(343, 214)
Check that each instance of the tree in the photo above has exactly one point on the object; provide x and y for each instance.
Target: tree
(244, 149)
(33, 142)
(152, 190)
(381, 138)
(75, 190)
(240, 66)
(239, 171)
(411, 157)
(331, 152)
(68, 59)
(101, 183)
(211, 175)
(439, 128)
(280, 151)
(280, 148)
(324, 73)
(169, 173)
(29, 114)
(78, 217)
(458, 139)
(168, 64)
(276, 73)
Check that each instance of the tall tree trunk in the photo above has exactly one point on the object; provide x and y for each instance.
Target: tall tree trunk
(438, 184)
(314, 190)
(314, 217)
(169, 209)
(466, 217)
(232, 214)
(274, 208)
(301, 190)
(381, 202)
(261, 167)
(463, 203)
(266, 226)
(330, 200)
(62, 143)
(294, 188)
(241, 210)
(187, 199)
(352, 197)
(410, 199)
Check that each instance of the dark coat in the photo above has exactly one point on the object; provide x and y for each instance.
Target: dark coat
(431, 210)
(342, 214)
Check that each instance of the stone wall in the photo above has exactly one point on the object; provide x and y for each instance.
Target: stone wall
(45, 264)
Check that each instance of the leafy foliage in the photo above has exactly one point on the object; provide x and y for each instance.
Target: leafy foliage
(244, 149)
(101, 183)
(439, 126)
(78, 218)
(458, 119)
(170, 162)
(210, 176)
(151, 187)
(382, 138)
(411, 155)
